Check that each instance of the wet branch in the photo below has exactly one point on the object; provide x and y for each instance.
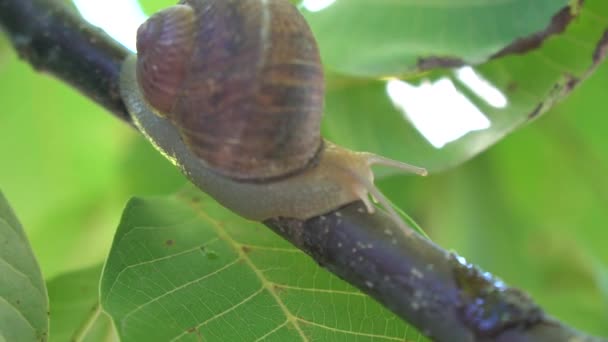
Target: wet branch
(430, 288)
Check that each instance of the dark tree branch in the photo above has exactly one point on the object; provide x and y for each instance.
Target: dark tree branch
(428, 287)
(54, 39)
(432, 289)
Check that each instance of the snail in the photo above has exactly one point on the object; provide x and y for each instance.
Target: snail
(231, 91)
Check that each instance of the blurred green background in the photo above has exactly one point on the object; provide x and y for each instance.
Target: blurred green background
(532, 209)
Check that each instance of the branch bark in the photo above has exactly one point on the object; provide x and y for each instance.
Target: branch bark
(430, 288)
(53, 38)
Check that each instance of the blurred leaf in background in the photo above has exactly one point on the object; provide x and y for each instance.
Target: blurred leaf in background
(533, 208)
(394, 37)
(72, 167)
(4, 52)
(23, 298)
(76, 314)
(442, 118)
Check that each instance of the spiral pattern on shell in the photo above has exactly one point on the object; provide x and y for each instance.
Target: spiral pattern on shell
(241, 80)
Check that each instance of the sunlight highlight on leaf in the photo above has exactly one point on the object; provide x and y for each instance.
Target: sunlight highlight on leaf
(439, 111)
(482, 87)
(360, 116)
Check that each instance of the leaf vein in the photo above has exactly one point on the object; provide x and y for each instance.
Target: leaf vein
(230, 309)
(155, 299)
(342, 331)
(274, 249)
(272, 331)
(19, 313)
(238, 248)
(29, 279)
(157, 259)
(312, 289)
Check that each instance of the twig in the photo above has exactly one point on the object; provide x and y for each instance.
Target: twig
(53, 38)
(432, 289)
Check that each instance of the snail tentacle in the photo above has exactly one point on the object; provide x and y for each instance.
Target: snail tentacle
(231, 91)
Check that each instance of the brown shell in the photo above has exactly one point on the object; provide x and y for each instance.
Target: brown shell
(241, 79)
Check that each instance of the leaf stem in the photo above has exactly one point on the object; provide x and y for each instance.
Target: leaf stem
(86, 326)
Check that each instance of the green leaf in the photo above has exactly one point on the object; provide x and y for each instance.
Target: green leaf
(183, 268)
(4, 51)
(601, 275)
(72, 167)
(75, 311)
(65, 154)
(361, 115)
(23, 297)
(532, 209)
(374, 37)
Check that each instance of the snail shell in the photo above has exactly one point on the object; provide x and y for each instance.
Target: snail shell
(231, 91)
(241, 79)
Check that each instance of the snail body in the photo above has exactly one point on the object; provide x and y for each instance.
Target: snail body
(231, 91)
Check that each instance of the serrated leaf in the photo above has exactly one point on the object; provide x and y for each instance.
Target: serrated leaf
(361, 115)
(75, 311)
(183, 268)
(23, 297)
(374, 37)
